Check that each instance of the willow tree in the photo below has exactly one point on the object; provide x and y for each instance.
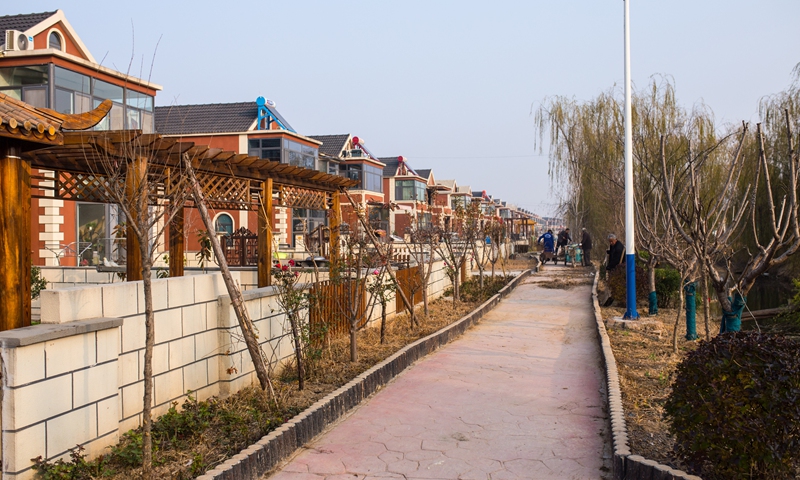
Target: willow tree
(585, 167)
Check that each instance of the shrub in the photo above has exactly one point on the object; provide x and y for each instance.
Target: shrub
(617, 286)
(735, 408)
(471, 289)
(38, 283)
(668, 280)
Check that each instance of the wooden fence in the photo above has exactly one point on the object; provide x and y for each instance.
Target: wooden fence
(332, 303)
(409, 279)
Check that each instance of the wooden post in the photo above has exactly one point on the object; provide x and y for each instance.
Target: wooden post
(335, 225)
(134, 178)
(265, 235)
(15, 237)
(176, 244)
(464, 276)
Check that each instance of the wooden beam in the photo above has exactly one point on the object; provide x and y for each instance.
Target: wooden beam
(335, 226)
(137, 170)
(265, 235)
(176, 245)
(15, 233)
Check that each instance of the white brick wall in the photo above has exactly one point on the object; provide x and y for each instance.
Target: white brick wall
(87, 386)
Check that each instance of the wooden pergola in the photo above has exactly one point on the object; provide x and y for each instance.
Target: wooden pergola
(80, 161)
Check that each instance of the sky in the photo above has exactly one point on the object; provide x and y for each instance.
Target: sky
(449, 85)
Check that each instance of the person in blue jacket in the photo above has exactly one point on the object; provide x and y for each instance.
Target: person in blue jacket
(548, 240)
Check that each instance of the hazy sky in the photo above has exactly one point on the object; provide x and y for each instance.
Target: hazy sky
(448, 84)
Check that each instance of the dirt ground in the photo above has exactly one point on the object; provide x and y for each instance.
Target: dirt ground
(646, 364)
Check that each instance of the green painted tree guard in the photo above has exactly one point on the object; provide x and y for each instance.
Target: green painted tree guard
(689, 290)
(653, 300)
(732, 321)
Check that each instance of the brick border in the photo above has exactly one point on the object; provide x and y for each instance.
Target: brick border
(264, 455)
(625, 465)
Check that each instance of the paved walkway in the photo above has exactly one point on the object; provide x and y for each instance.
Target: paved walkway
(517, 397)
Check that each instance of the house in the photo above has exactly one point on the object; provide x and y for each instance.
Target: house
(250, 128)
(407, 193)
(347, 156)
(45, 64)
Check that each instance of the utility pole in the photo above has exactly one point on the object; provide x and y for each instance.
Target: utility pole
(630, 247)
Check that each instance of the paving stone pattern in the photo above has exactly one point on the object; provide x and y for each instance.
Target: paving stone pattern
(520, 396)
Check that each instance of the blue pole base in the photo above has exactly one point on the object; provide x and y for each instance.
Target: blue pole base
(630, 288)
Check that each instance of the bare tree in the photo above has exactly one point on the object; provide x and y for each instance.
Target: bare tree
(149, 194)
(718, 214)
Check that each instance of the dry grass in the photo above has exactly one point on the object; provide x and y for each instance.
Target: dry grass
(249, 414)
(646, 364)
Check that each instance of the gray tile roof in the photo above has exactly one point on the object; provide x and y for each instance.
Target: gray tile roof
(208, 118)
(390, 170)
(21, 22)
(424, 173)
(332, 144)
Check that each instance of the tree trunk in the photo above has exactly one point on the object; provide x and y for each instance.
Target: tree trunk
(298, 349)
(383, 321)
(653, 297)
(706, 307)
(246, 325)
(150, 340)
(677, 320)
(353, 343)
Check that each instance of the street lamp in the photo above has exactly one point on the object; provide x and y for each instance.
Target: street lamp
(630, 247)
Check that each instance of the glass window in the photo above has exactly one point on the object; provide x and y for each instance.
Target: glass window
(410, 190)
(224, 224)
(65, 101)
(104, 90)
(91, 233)
(147, 122)
(35, 96)
(54, 41)
(21, 76)
(72, 81)
(305, 220)
(267, 148)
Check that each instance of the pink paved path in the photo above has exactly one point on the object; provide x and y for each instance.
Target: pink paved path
(517, 397)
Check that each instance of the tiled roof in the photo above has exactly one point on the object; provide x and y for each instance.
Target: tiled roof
(332, 144)
(21, 22)
(448, 183)
(209, 118)
(390, 170)
(424, 173)
(23, 121)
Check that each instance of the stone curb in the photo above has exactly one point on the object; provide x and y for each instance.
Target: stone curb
(626, 466)
(264, 455)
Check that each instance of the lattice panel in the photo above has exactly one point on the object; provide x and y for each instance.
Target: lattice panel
(82, 186)
(223, 192)
(297, 197)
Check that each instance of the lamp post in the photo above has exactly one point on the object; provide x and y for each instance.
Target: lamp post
(630, 247)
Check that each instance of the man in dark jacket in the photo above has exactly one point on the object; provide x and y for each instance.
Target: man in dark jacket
(616, 253)
(563, 239)
(586, 245)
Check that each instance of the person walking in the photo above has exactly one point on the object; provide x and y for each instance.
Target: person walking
(586, 245)
(563, 240)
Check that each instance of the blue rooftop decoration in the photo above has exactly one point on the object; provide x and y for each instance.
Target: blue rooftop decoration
(267, 112)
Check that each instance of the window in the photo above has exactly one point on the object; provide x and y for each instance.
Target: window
(224, 224)
(77, 93)
(92, 235)
(410, 190)
(370, 177)
(54, 41)
(28, 84)
(305, 220)
(267, 148)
